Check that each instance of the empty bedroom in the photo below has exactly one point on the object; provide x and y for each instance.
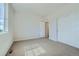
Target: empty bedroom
(39, 29)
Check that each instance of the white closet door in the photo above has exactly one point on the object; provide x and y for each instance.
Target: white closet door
(68, 30)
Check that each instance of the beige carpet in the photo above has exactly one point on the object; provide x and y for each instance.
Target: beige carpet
(42, 47)
(34, 50)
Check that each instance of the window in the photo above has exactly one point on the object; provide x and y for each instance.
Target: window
(2, 18)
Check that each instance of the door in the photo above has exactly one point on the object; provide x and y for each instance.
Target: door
(46, 29)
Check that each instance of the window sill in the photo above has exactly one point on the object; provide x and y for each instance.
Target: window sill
(1, 33)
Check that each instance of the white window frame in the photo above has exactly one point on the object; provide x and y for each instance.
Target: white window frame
(5, 18)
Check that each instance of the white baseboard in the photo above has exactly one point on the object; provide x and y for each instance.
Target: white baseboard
(21, 39)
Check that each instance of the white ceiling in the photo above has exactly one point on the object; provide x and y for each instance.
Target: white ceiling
(45, 9)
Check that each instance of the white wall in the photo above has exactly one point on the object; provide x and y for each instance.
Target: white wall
(6, 39)
(52, 29)
(68, 29)
(27, 26)
(42, 29)
(65, 28)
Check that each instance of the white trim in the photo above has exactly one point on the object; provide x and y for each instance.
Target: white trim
(22, 39)
(1, 33)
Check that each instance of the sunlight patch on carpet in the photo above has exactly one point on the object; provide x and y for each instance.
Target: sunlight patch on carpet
(34, 50)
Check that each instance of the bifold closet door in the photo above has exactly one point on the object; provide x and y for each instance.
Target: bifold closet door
(68, 30)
